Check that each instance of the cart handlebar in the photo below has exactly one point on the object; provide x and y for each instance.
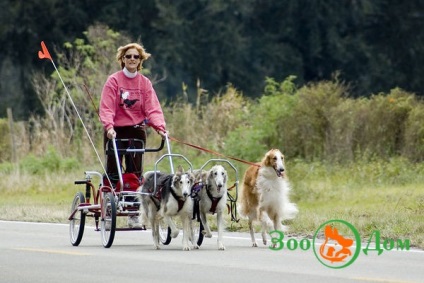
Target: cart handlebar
(121, 151)
(162, 144)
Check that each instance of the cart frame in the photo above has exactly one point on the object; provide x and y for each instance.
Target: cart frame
(108, 203)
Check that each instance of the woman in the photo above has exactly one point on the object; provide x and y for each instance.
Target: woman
(128, 100)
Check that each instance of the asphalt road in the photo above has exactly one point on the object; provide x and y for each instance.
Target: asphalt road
(39, 252)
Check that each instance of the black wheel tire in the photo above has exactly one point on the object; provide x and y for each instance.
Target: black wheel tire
(198, 225)
(108, 221)
(197, 231)
(164, 233)
(77, 223)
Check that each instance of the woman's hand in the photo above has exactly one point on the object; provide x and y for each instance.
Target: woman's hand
(111, 134)
(163, 134)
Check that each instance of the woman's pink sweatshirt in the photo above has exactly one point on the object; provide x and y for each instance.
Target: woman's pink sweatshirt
(130, 101)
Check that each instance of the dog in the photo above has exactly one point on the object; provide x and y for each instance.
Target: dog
(264, 195)
(172, 198)
(213, 199)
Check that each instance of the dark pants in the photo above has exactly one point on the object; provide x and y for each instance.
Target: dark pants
(133, 161)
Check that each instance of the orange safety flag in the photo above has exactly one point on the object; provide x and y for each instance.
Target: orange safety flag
(44, 54)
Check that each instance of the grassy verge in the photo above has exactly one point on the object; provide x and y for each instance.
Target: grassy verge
(384, 196)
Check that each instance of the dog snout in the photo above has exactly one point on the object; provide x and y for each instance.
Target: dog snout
(279, 171)
(185, 194)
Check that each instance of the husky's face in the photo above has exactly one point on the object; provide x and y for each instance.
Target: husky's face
(218, 176)
(183, 182)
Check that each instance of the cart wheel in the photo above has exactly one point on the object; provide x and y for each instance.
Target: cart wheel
(77, 223)
(108, 221)
(164, 233)
(197, 226)
(197, 231)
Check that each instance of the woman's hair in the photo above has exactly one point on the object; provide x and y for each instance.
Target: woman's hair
(123, 49)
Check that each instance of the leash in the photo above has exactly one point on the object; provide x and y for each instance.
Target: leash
(214, 152)
(200, 148)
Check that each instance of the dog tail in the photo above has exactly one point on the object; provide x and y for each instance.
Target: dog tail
(241, 203)
(290, 211)
(241, 207)
(248, 199)
(247, 203)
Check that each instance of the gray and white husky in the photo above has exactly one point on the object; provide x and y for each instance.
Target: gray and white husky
(172, 198)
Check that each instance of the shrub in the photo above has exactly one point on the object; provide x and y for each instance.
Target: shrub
(4, 141)
(264, 124)
(381, 123)
(50, 162)
(413, 147)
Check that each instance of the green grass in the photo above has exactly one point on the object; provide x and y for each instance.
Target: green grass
(397, 212)
(385, 196)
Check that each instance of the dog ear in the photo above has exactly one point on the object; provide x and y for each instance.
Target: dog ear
(267, 159)
(197, 175)
(180, 169)
(203, 176)
(210, 173)
(192, 177)
(175, 179)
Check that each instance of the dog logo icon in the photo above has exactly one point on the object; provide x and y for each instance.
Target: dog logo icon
(337, 252)
(341, 245)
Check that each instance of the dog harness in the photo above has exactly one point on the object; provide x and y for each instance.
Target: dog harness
(195, 190)
(179, 200)
(157, 197)
(213, 200)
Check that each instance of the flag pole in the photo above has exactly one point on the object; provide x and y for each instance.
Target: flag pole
(45, 54)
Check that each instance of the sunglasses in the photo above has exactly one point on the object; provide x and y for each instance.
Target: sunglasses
(128, 56)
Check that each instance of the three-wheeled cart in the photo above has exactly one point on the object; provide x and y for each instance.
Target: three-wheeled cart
(112, 198)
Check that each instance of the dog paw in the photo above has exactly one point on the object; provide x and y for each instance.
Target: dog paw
(254, 244)
(156, 247)
(206, 234)
(196, 247)
(265, 241)
(221, 247)
(186, 248)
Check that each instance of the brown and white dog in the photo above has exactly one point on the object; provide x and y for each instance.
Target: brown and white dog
(264, 195)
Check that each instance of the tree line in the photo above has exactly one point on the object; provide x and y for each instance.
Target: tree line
(318, 121)
(372, 45)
